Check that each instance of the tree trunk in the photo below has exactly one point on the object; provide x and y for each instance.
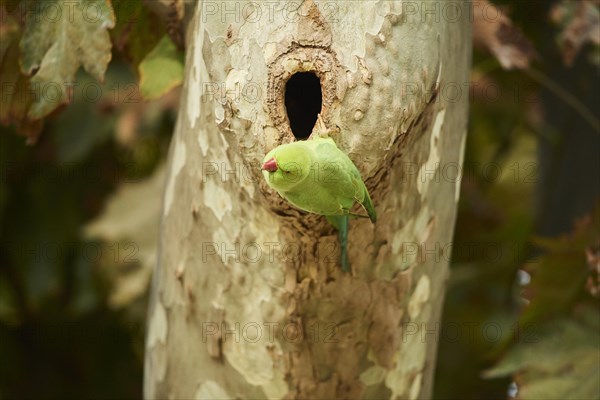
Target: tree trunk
(248, 298)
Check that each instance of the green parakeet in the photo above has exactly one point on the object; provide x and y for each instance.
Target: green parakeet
(315, 176)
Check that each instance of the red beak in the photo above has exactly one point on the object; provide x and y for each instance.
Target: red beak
(270, 165)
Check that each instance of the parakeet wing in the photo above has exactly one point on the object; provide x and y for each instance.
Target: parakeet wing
(341, 173)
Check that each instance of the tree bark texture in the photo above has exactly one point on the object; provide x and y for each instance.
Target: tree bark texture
(248, 298)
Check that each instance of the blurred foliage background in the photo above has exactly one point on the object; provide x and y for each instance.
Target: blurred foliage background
(79, 208)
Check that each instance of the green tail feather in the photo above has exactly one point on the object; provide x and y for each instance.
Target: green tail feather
(340, 222)
(343, 234)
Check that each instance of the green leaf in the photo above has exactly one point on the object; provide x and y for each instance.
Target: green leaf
(79, 130)
(137, 31)
(161, 70)
(564, 363)
(59, 37)
(84, 125)
(558, 277)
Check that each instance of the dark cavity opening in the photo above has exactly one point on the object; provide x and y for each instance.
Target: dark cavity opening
(303, 101)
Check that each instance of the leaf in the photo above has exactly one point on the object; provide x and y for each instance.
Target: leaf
(59, 37)
(137, 30)
(130, 222)
(161, 70)
(564, 363)
(79, 129)
(580, 23)
(593, 258)
(16, 94)
(9, 31)
(171, 13)
(89, 121)
(499, 36)
(559, 276)
(562, 358)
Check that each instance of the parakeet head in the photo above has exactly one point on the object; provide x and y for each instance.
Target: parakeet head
(287, 165)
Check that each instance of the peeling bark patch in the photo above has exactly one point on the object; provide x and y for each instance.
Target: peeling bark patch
(438, 79)
(249, 360)
(176, 165)
(193, 100)
(211, 390)
(415, 387)
(409, 241)
(373, 375)
(349, 327)
(386, 310)
(220, 236)
(365, 75)
(429, 169)
(410, 361)
(158, 361)
(194, 57)
(461, 159)
(158, 326)
(238, 90)
(217, 199)
(203, 141)
(157, 339)
(419, 297)
(255, 364)
(390, 167)
(313, 29)
(179, 272)
(248, 347)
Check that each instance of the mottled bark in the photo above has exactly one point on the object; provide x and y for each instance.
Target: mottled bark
(248, 298)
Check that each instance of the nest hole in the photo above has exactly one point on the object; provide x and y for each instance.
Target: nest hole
(303, 101)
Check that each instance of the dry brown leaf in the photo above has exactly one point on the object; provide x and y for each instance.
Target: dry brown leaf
(493, 30)
(171, 12)
(593, 258)
(580, 22)
(17, 95)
